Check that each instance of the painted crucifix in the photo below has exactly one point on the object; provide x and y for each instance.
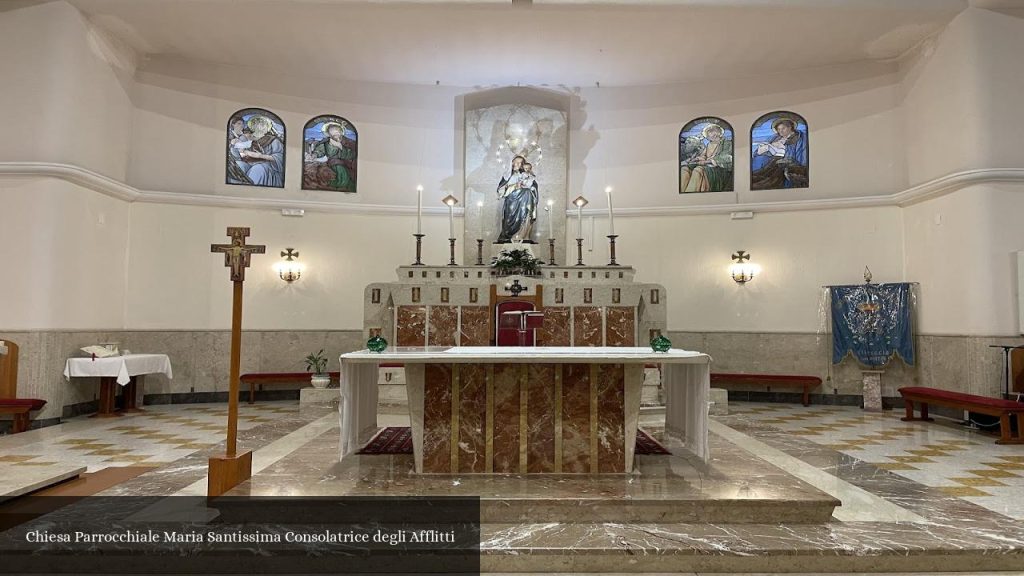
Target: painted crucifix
(231, 469)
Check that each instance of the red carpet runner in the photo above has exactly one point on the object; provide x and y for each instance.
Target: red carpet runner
(398, 440)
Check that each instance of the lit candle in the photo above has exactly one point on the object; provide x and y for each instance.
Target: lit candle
(551, 220)
(611, 214)
(451, 220)
(419, 209)
(480, 231)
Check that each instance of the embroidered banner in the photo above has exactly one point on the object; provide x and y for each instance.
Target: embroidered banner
(872, 321)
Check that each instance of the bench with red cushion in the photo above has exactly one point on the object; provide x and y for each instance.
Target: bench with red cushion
(804, 382)
(265, 378)
(20, 407)
(1004, 409)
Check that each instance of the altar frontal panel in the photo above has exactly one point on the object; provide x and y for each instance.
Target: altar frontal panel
(526, 419)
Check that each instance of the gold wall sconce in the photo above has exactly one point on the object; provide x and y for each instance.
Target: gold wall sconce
(289, 269)
(742, 269)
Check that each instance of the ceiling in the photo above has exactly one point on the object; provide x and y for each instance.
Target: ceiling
(489, 43)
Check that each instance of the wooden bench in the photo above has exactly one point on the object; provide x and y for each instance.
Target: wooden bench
(265, 378)
(1003, 409)
(9, 401)
(804, 382)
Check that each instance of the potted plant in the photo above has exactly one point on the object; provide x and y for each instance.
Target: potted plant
(317, 364)
(517, 261)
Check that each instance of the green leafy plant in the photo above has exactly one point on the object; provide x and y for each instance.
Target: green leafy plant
(518, 261)
(316, 363)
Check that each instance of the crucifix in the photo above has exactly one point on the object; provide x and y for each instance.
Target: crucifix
(229, 470)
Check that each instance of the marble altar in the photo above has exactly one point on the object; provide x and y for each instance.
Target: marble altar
(534, 410)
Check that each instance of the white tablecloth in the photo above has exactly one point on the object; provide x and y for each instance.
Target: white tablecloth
(123, 367)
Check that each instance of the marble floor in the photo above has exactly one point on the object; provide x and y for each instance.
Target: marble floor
(918, 497)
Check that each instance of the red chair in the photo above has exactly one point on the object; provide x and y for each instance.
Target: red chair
(9, 401)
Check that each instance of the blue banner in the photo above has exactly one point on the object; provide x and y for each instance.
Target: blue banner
(872, 321)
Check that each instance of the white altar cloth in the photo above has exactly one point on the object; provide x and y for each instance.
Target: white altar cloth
(121, 367)
(686, 377)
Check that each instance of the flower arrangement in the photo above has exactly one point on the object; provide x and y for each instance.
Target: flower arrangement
(516, 261)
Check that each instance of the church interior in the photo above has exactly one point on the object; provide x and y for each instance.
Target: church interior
(545, 286)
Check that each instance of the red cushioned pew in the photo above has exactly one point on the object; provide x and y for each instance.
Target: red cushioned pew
(1003, 409)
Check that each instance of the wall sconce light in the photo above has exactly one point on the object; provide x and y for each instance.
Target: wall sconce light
(742, 269)
(288, 269)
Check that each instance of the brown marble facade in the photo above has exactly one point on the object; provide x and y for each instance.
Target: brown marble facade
(472, 418)
(475, 326)
(444, 323)
(620, 326)
(587, 326)
(611, 418)
(576, 418)
(437, 418)
(506, 417)
(524, 418)
(540, 419)
(555, 330)
(412, 326)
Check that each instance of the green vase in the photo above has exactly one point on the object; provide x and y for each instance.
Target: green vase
(376, 343)
(660, 344)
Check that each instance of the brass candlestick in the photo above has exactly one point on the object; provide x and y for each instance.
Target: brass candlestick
(451, 245)
(419, 249)
(611, 249)
(551, 248)
(579, 251)
(479, 252)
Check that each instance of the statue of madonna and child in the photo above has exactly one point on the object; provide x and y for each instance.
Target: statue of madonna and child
(519, 193)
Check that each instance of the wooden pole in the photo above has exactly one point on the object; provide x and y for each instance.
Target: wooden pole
(236, 359)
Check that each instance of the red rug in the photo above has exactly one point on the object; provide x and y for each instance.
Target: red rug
(398, 440)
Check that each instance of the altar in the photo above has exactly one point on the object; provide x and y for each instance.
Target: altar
(529, 410)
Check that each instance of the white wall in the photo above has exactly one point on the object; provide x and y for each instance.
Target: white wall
(64, 250)
(962, 248)
(175, 282)
(62, 90)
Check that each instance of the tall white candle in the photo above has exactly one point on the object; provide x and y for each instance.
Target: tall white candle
(480, 222)
(551, 220)
(419, 209)
(611, 213)
(579, 221)
(451, 220)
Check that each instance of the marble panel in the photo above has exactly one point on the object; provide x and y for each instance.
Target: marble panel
(506, 417)
(587, 329)
(555, 330)
(437, 418)
(444, 323)
(474, 326)
(620, 326)
(540, 419)
(576, 418)
(412, 326)
(610, 385)
(472, 418)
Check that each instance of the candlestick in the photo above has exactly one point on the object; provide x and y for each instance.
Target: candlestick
(480, 219)
(611, 249)
(579, 251)
(611, 214)
(551, 219)
(419, 248)
(479, 252)
(551, 246)
(451, 244)
(419, 209)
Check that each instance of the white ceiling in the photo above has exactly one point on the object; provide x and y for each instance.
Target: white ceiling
(567, 42)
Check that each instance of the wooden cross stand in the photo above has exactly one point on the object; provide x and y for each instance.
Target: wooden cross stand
(232, 469)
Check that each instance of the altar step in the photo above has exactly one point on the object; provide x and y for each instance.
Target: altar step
(750, 548)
